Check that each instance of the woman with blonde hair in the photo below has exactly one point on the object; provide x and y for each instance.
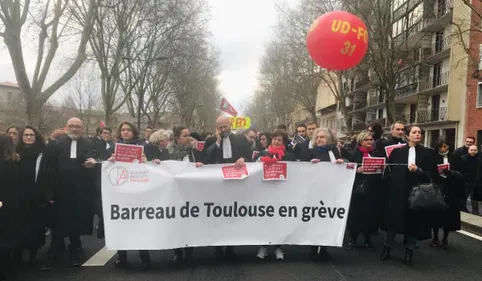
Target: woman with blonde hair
(364, 205)
(324, 150)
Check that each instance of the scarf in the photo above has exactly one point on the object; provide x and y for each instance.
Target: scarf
(365, 151)
(443, 154)
(324, 148)
(178, 152)
(278, 152)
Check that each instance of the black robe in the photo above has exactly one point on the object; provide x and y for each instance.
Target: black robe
(34, 234)
(398, 218)
(70, 185)
(365, 209)
(240, 148)
(323, 156)
(453, 186)
(153, 152)
(12, 217)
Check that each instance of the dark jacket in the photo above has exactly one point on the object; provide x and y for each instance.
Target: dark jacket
(364, 215)
(453, 186)
(12, 217)
(382, 143)
(398, 218)
(101, 148)
(289, 156)
(455, 162)
(153, 152)
(323, 156)
(240, 149)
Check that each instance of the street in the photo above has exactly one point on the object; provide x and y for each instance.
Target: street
(460, 262)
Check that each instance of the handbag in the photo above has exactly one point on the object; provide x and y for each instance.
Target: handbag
(427, 197)
(360, 188)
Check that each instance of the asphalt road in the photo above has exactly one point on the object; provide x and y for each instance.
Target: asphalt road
(460, 262)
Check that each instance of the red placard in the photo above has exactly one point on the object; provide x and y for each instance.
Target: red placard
(390, 148)
(442, 167)
(373, 165)
(200, 145)
(128, 153)
(255, 154)
(232, 173)
(275, 171)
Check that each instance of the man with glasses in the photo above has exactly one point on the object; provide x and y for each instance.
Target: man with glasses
(67, 182)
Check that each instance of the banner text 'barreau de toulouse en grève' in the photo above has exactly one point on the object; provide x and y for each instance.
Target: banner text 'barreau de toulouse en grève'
(175, 204)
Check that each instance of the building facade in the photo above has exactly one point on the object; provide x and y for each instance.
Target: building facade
(431, 89)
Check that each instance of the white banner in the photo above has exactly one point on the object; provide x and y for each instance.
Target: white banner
(175, 204)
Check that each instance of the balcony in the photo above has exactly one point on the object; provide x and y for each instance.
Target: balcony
(434, 84)
(359, 105)
(405, 8)
(410, 118)
(440, 50)
(359, 86)
(377, 100)
(411, 37)
(434, 115)
(441, 16)
(407, 93)
(359, 126)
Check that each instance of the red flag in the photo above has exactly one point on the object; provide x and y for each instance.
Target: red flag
(400, 62)
(228, 108)
(102, 124)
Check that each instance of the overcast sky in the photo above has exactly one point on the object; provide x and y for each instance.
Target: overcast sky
(241, 30)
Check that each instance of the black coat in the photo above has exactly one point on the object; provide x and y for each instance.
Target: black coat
(153, 152)
(100, 147)
(455, 162)
(30, 199)
(70, 185)
(382, 143)
(453, 186)
(398, 218)
(240, 149)
(323, 156)
(364, 215)
(12, 216)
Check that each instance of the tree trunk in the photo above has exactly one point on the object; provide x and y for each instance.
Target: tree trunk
(390, 106)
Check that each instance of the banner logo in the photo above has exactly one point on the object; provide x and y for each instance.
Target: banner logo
(118, 176)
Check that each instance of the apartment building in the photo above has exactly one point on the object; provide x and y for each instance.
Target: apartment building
(432, 82)
(10, 99)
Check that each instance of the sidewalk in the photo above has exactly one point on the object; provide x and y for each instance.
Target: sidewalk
(471, 223)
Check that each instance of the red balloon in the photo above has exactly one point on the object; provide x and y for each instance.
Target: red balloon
(337, 40)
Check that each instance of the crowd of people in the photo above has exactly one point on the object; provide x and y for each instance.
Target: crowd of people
(55, 183)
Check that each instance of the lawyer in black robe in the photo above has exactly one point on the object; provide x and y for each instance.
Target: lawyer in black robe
(67, 181)
(229, 148)
(453, 188)
(324, 150)
(364, 214)
(411, 165)
(31, 147)
(12, 218)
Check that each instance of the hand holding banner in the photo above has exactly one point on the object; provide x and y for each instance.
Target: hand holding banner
(442, 167)
(231, 172)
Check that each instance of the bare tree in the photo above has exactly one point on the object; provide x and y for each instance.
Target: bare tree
(54, 21)
(83, 97)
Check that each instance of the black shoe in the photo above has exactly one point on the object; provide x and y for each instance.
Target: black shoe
(75, 256)
(352, 245)
(370, 247)
(408, 257)
(434, 243)
(229, 253)
(385, 253)
(445, 244)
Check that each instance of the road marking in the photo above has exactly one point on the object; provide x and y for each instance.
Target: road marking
(100, 258)
(470, 234)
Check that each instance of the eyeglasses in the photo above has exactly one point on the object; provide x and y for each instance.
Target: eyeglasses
(29, 135)
(74, 126)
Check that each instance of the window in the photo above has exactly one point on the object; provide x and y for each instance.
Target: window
(380, 113)
(479, 95)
